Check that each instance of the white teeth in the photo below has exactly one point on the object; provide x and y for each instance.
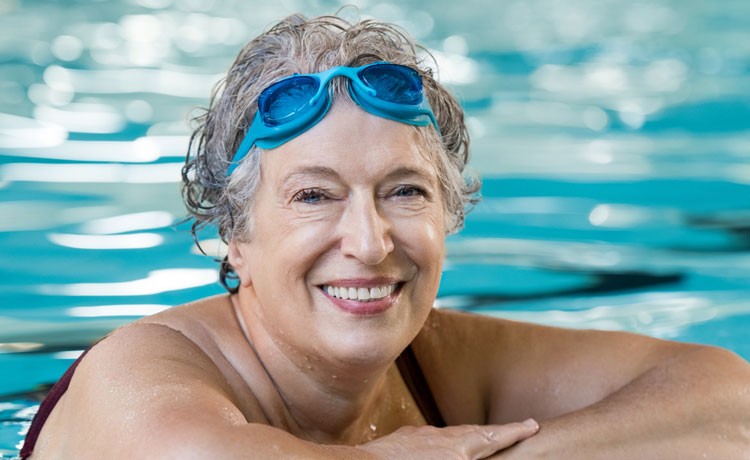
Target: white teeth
(362, 294)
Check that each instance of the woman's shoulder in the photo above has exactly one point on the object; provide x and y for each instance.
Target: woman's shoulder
(460, 330)
(180, 332)
(505, 367)
(452, 337)
(141, 376)
(469, 332)
(450, 350)
(470, 340)
(200, 336)
(143, 351)
(469, 358)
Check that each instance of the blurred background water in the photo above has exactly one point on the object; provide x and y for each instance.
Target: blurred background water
(613, 137)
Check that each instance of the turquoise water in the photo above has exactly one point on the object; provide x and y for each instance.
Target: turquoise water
(613, 138)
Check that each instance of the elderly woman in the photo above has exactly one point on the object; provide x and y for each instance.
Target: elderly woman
(332, 163)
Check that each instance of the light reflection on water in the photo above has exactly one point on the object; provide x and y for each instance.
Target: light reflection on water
(156, 282)
(613, 137)
(132, 241)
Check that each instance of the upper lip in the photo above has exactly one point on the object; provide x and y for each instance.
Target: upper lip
(361, 282)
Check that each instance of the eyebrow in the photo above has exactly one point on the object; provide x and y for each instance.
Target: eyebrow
(325, 172)
(308, 171)
(406, 171)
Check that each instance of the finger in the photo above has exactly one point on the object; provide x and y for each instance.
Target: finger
(489, 439)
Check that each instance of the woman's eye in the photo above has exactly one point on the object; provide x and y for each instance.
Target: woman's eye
(309, 196)
(408, 190)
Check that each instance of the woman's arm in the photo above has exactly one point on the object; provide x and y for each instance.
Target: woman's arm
(149, 392)
(694, 404)
(597, 394)
(259, 441)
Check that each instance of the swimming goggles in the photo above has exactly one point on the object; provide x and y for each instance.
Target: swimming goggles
(296, 103)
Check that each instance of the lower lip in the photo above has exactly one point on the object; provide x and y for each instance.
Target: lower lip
(369, 308)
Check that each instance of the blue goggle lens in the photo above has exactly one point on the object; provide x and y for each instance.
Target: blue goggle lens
(286, 99)
(290, 97)
(394, 83)
(292, 105)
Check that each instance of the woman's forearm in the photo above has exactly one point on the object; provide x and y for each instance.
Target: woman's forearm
(258, 441)
(694, 405)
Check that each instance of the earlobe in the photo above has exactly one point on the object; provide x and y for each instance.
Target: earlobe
(239, 263)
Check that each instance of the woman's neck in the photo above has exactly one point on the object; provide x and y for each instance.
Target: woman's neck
(322, 400)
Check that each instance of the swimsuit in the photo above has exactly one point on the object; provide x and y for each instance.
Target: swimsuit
(407, 365)
(49, 403)
(414, 379)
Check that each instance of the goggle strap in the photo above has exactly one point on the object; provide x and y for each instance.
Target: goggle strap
(269, 137)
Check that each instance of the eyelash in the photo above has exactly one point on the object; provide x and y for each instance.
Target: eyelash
(414, 191)
(308, 194)
(314, 195)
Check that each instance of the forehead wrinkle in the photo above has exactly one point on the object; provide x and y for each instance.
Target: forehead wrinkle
(406, 171)
(305, 172)
(323, 172)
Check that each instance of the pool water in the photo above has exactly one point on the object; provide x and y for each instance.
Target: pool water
(613, 139)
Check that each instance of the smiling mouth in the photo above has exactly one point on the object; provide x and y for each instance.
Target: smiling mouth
(360, 294)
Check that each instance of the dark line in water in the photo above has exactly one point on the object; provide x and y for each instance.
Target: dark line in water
(36, 394)
(605, 283)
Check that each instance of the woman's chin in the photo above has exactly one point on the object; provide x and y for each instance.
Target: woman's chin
(365, 349)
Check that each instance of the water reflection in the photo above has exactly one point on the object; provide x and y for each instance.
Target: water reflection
(613, 138)
(659, 315)
(99, 242)
(157, 281)
(128, 222)
(91, 173)
(170, 82)
(141, 150)
(596, 257)
(24, 133)
(82, 117)
(564, 93)
(137, 310)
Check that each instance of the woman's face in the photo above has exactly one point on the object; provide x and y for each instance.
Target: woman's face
(346, 251)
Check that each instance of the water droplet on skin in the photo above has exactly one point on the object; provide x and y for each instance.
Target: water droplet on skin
(373, 427)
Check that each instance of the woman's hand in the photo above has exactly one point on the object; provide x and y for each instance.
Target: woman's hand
(464, 442)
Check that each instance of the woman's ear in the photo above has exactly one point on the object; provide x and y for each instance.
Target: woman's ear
(239, 262)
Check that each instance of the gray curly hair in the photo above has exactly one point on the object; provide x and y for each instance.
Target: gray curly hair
(301, 45)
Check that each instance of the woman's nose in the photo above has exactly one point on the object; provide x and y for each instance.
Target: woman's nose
(365, 233)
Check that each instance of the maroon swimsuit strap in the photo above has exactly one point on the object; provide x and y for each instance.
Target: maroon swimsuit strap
(49, 403)
(414, 378)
